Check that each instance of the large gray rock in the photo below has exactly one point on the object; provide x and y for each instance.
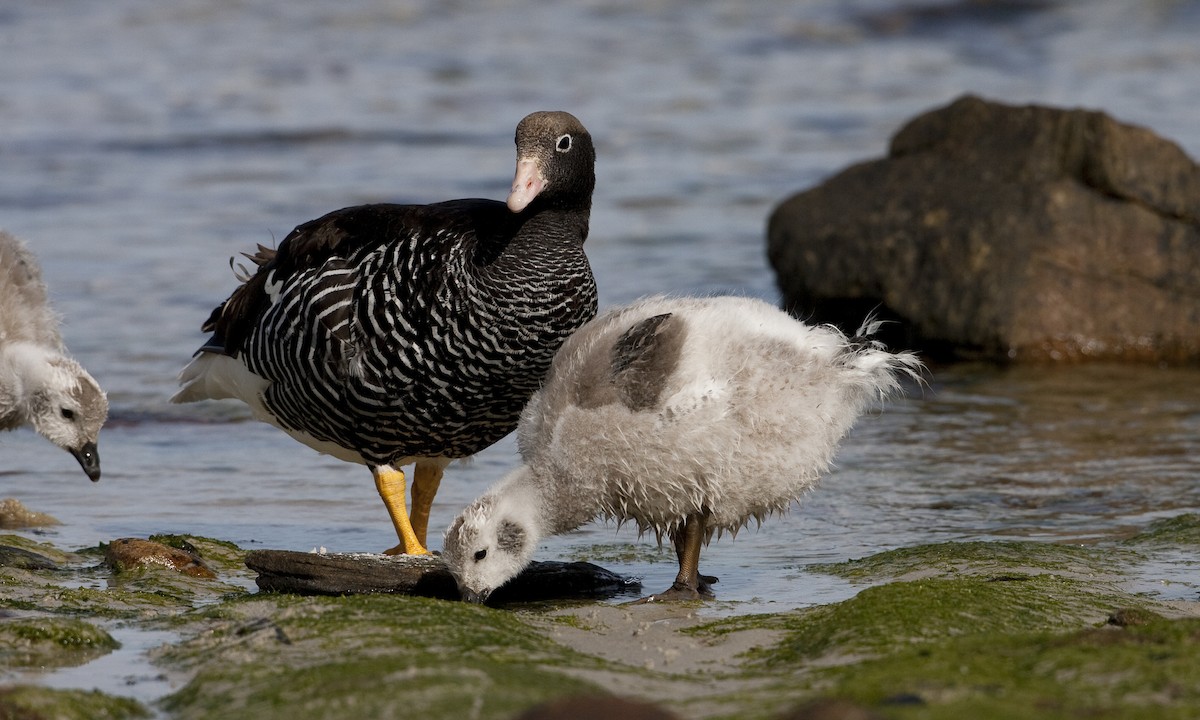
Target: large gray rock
(1014, 233)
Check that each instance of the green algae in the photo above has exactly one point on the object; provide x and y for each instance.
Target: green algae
(997, 558)
(79, 588)
(1144, 671)
(985, 630)
(988, 630)
(51, 641)
(219, 555)
(970, 630)
(888, 617)
(28, 702)
(1179, 530)
(44, 549)
(148, 594)
(370, 656)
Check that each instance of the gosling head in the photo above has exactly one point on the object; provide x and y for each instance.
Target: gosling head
(67, 407)
(489, 544)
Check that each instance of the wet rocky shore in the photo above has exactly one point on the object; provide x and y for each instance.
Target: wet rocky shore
(972, 629)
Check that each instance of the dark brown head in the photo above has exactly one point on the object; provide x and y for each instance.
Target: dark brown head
(556, 163)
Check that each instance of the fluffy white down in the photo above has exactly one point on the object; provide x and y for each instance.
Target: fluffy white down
(40, 385)
(493, 539)
(750, 419)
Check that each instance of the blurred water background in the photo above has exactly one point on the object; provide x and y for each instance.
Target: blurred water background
(142, 144)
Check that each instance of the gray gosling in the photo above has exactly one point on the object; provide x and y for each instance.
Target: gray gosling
(689, 417)
(40, 385)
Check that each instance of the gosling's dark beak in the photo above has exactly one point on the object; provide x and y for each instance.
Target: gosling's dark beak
(89, 459)
(477, 598)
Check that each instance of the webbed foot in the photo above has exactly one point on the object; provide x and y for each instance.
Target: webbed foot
(682, 592)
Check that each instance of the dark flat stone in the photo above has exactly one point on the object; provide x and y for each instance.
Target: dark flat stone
(22, 559)
(303, 573)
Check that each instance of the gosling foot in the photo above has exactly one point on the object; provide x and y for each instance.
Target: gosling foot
(681, 591)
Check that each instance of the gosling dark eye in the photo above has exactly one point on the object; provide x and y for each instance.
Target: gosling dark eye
(67, 413)
(564, 143)
(480, 554)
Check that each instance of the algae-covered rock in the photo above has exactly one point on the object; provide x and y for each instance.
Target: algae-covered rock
(127, 554)
(75, 584)
(45, 550)
(890, 617)
(978, 629)
(224, 556)
(24, 559)
(1147, 671)
(28, 702)
(367, 656)
(985, 559)
(987, 630)
(51, 641)
(1174, 531)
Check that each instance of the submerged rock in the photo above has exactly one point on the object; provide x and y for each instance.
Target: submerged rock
(129, 553)
(32, 702)
(51, 642)
(23, 559)
(14, 515)
(426, 576)
(1011, 233)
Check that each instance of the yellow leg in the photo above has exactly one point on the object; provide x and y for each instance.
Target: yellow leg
(390, 483)
(426, 479)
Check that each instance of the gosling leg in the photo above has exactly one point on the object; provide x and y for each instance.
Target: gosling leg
(689, 583)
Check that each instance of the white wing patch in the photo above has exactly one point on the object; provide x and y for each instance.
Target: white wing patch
(272, 287)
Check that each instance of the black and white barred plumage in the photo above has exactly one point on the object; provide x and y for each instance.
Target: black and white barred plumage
(385, 334)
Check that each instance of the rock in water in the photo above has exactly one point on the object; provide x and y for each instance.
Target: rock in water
(14, 514)
(1011, 233)
(130, 553)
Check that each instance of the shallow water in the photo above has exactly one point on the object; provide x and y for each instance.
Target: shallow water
(142, 144)
(125, 671)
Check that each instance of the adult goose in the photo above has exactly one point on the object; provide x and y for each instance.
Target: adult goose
(391, 335)
(686, 416)
(40, 385)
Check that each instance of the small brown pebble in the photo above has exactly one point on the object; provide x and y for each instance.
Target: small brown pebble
(14, 515)
(595, 707)
(129, 553)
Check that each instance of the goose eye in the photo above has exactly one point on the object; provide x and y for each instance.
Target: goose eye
(67, 413)
(564, 143)
(480, 554)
